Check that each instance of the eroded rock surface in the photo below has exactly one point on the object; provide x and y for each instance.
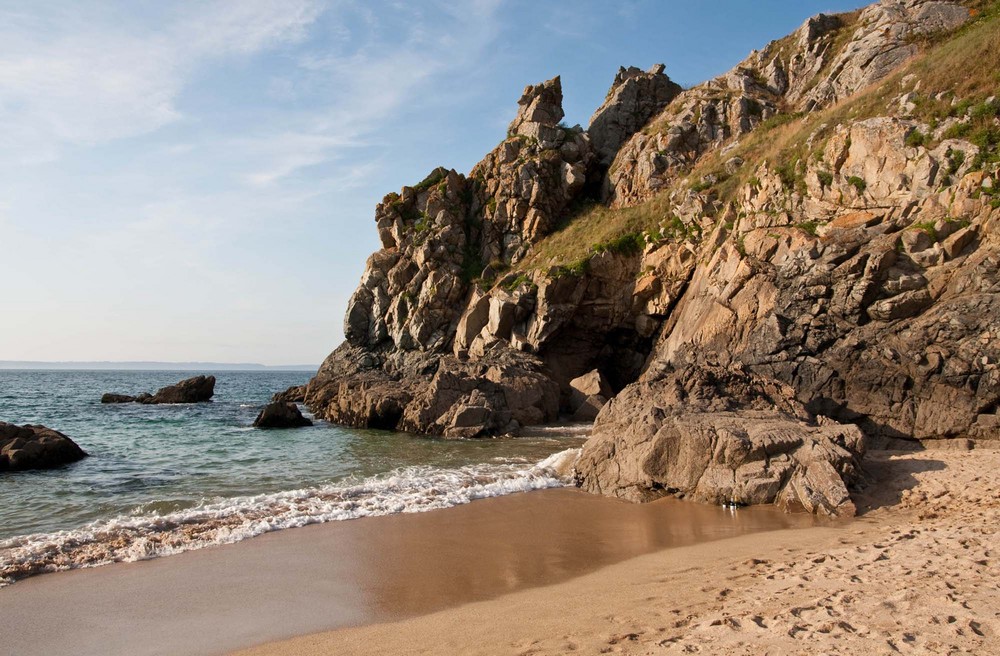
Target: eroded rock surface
(808, 70)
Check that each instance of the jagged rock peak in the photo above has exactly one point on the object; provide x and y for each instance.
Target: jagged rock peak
(539, 104)
(635, 97)
(882, 41)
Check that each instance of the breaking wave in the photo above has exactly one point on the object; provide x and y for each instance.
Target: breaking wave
(128, 538)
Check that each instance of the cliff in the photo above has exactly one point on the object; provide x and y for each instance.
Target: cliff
(764, 273)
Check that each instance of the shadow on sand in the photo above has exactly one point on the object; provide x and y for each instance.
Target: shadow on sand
(886, 478)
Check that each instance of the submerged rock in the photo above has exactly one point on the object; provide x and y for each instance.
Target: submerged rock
(35, 447)
(191, 390)
(281, 414)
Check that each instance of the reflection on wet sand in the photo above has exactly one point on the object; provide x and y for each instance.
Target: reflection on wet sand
(425, 563)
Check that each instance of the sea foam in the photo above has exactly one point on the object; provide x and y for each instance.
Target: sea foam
(129, 538)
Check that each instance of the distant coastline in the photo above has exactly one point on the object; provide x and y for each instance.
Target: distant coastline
(155, 366)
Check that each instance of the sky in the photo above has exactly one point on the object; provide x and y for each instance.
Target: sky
(196, 181)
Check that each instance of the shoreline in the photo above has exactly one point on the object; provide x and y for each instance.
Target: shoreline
(359, 572)
(559, 570)
(915, 574)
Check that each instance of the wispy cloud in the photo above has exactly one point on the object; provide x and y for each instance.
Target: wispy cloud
(74, 76)
(393, 59)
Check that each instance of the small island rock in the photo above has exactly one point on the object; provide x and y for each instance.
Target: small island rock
(191, 390)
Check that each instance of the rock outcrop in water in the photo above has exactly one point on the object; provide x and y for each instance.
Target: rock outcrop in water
(198, 389)
(763, 273)
(281, 414)
(35, 447)
(294, 394)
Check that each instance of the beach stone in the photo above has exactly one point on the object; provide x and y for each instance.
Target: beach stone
(589, 408)
(281, 414)
(35, 447)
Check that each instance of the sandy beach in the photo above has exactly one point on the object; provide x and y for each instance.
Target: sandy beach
(917, 573)
(560, 571)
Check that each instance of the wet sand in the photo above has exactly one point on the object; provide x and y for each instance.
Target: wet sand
(918, 573)
(360, 572)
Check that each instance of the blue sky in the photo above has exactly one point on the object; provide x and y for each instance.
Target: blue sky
(196, 180)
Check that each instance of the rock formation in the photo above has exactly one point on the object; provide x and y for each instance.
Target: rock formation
(294, 394)
(281, 414)
(721, 435)
(634, 98)
(794, 263)
(191, 390)
(802, 72)
(35, 447)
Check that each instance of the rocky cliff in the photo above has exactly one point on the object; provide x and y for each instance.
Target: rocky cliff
(764, 272)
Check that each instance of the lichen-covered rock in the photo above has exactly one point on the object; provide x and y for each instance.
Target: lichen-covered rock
(35, 447)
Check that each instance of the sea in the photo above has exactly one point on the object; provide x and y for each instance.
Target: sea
(163, 479)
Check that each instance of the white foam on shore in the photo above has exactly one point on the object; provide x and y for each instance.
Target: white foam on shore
(409, 490)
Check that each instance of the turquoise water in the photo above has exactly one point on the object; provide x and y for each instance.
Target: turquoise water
(166, 478)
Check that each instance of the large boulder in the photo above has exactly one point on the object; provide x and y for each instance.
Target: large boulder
(281, 414)
(434, 394)
(720, 436)
(35, 447)
(588, 394)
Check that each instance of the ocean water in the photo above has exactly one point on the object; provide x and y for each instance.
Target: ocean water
(162, 479)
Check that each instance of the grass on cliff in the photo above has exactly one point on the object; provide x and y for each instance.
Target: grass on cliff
(593, 228)
(961, 64)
